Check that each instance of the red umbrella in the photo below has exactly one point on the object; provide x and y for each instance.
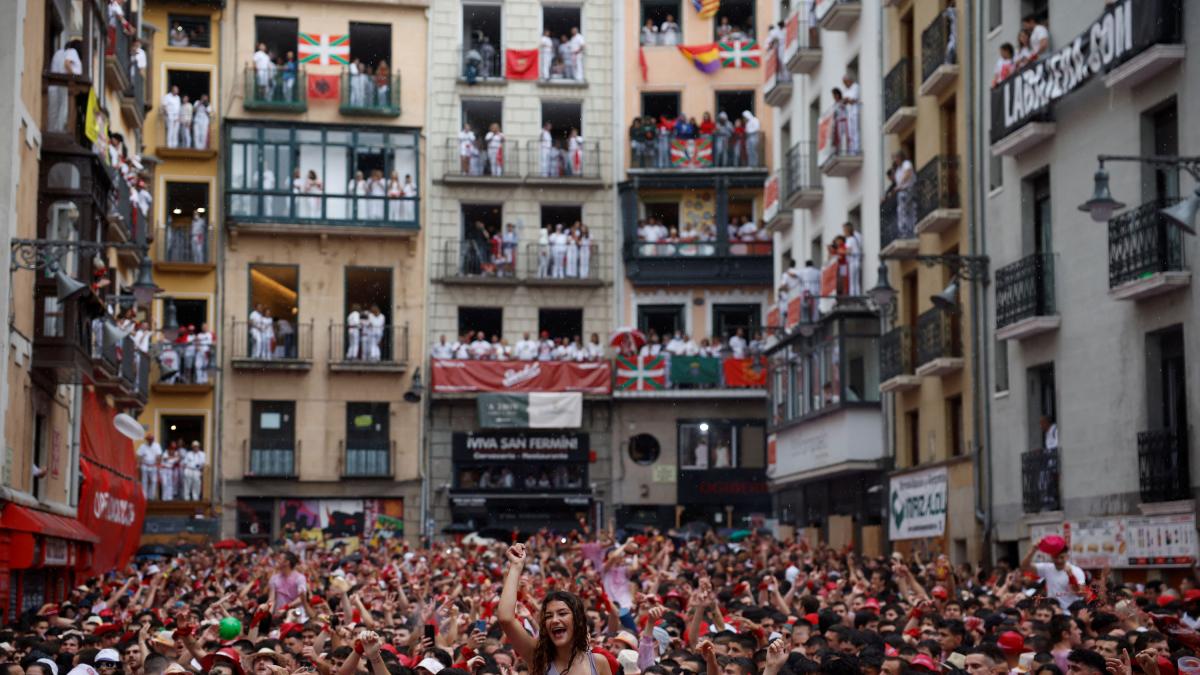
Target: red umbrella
(232, 544)
(627, 338)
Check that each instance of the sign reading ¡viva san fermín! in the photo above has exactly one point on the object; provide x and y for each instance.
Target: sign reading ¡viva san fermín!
(917, 506)
(1124, 30)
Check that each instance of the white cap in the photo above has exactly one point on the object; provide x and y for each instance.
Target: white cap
(431, 664)
(108, 655)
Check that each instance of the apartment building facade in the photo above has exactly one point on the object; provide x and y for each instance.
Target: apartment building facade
(1090, 381)
(827, 425)
(689, 440)
(521, 169)
(322, 282)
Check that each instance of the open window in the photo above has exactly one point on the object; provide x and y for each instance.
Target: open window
(486, 320)
(182, 430)
(191, 86)
(563, 116)
(188, 30)
(371, 44)
(660, 320)
(561, 323)
(274, 309)
(186, 227)
(280, 35)
(368, 333)
(729, 319)
(660, 104)
(481, 39)
(559, 20)
(555, 215)
(722, 444)
(186, 361)
(479, 251)
(192, 313)
(733, 103)
(735, 21)
(660, 14)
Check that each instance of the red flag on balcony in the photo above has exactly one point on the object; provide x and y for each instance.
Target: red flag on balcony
(521, 64)
(745, 372)
(642, 64)
(829, 279)
(322, 86)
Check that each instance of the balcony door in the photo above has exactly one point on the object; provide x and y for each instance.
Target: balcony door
(273, 438)
(661, 319)
(1042, 209)
(367, 439)
(1168, 405)
(1042, 402)
(728, 318)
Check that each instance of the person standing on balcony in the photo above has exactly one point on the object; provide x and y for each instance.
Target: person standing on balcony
(737, 343)
(487, 51)
(558, 252)
(263, 70)
(394, 193)
(377, 189)
(256, 335)
(1049, 433)
(810, 290)
(170, 109)
(65, 61)
(374, 330)
(314, 186)
(565, 57)
(573, 251)
(753, 137)
(187, 344)
(185, 122)
(495, 149)
(725, 29)
(545, 54)
(353, 332)
(525, 349)
(357, 90)
(854, 257)
(149, 453)
(409, 192)
(200, 121)
(668, 32)
(574, 163)
(290, 69)
(357, 187)
(722, 133)
(543, 245)
(194, 461)
(905, 176)
(649, 33)
(585, 251)
(577, 46)
(1039, 37)
(466, 149)
(168, 472)
(851, 96)
(383, 85)
(951, 18)
(508, 247)
(137, 57)
(204, 344)
(546, 146)
(1004, 65)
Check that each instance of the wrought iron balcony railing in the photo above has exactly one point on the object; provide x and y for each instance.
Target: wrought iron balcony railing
(938, 336)
(896, 353)
(937, 186)
(897, 88)
(936, 48)
(1141, 243)
(1163, 474)
(1040, 471)
(1025, 289)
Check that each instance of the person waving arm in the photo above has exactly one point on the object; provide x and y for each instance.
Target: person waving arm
(506, 610)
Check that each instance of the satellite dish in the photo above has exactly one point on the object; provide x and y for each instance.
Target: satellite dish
(129, 427)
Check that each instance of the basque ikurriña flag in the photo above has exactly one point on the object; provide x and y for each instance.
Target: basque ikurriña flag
(691, 153)
(641, 373)
(739, 54)
(322, 50)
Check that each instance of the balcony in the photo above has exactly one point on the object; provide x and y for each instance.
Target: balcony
(106, 356)
(777, 89)
(272, 90)
(133, 99)
(674, 377)
(838, 15)
(366, 351)
(778, 217)
(281, 351)
(184, 368)
(704, 155)
(897, 225)
(369, 95)
(939, 58)
(1163, 474)
(1039, 481)
(134, 380)
(116, 58)
(899, 110)
(1025, 298)
(839, 150)
(197, 143)
(1156, 49)
(552, 167)
(937, 195)
(366, 460)
(482, 66)
(896, 361)
(183, 249)
(702, 263)
(802, 180)
(802, 44)
(473, 164)
(939, 344)
(1145, 254)
(468, 263)
(269, 458)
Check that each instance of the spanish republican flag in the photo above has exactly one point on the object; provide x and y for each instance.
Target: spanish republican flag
(706, 58)
(521, 64)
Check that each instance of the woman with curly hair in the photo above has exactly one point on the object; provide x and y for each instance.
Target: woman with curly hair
(561, 646)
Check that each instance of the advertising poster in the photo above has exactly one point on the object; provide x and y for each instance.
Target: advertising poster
(917, 507)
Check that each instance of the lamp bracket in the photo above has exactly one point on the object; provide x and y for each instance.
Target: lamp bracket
(34, 254)
(1188, 164)
(965, 267)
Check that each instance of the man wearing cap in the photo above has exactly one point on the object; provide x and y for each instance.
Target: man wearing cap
(1062, 578)
(1012, 644)
(108, 661)
(148, 454)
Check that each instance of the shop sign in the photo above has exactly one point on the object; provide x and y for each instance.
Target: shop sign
(1125, 541)
(56, 551)
(917, 507)
(519, 446)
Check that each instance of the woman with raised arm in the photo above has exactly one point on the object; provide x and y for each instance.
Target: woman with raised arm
(561, 646)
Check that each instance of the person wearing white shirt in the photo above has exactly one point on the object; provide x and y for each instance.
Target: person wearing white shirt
(584, 240)
(700, 455)
(737, 344)
(810, 290)
(199, 237)
(721, 456)
(649, 33)
(171, 106)
(148, 454)
(203, 340)
(574, 351)
(668, 32)
(481, 349)
(495, 149)
(466, 149)
(442, 350)
(462, 348)
(559, 353)
(595, 350)
(576, 45)
(1049, 431)
(690, 348)
(263, 68)
(850, 99)
(525, 349)
(546, 146)
(139, 56)
(1063, 580)
(501, 351)
(545, 347)
(788, 281)
(194, 461)
(753, 137)
(257, 346)
(543, 245)
(545, 54)
(65, 61)
(905, 176)
(376, 323)
(353, 332)
(1039, 37)
(185, 122)
(676, 345)
(854, 257)
(747, 230)
(558, 252)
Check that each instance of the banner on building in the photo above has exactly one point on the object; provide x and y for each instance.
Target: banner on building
(535, 410)
(917, 506)
(322, 87)
(452, 376)
(111, 503)
(744, 373)
(829, 279)
(1125, 541)
(825, 139)
(771, 198)
(521, 64)
(791, 40)
(518, 447)
(641, 373)
(346, 521)
(323, 50)
(695, 370)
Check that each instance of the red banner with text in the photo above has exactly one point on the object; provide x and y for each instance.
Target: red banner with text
(111, 503)
(452, 376)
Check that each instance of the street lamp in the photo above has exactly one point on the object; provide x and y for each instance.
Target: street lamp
(882, 295)
(963, 267)
(144, 287)
(170, 325)
(1182, 215)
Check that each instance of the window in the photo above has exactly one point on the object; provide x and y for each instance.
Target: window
(186, 227)
(662, 22)
(1040, 9)
(644, 449)
(368, 334)
(1039, 240)
(272, 438)
(660, 104)
(954, 425)
(837, 365)
(995, 172)
(563, 118)
(1166, 380)
(371, 43)
(722, 444)
(1042, 402)
(732, 103)
(482, 223)
(192, 84)
(912, 420)
(660, 320)
(995, 14)
(735, 20)
(182, 431)
(481, 35)
(272, 321)
(1001, 351)
(189, 31)
(280, 35)
(40, 454)
(729, 319)
(298, 174)
(1160, 136)
(561, 23)
(367, 440)
(191, 313)
(486, 320)
(561, 323)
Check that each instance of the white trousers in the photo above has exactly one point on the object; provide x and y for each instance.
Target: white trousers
(352, 340)
(172, 131)
(191, 484)
(200, 134)
(149, 481)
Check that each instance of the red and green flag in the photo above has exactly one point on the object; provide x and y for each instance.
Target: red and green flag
(323, 50)
(641, 373)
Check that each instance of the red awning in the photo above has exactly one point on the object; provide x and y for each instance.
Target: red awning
(19, 518)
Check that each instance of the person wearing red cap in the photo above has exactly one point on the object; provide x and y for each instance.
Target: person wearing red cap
(1062, 578)
(1013, 645)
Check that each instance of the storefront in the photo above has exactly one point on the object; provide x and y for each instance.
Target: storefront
(722, 478)
(40, 554)
(326, 521)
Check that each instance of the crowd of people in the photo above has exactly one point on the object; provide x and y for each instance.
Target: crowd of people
(174, 473)
(603, 603)
(367, 196)
(370, 85)
(846, 252)
(666, 32)
(490, 154)
(186, 121)
(660, 240)
(477, 346)
(563, 252)
(735, 143)
(681, 344)
(270, 337)
(1033, 44)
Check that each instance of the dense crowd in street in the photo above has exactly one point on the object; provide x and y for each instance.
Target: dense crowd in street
(593, 604)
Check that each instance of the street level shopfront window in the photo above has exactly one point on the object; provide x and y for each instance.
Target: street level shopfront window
(838, 365)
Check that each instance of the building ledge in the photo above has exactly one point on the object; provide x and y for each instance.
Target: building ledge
(164, 152)
(1145, 66)
(804, 61)
(780, 221)
(1043, 518)
(901, 121)
(563, 283)
(691, 394)
(940, 80)
(183, 267)
(939, 220)
(842, 16)
(1029, 135)
(1181, 506)
(387, 232)
(938, 367)
(805, 198)
(564, 182)
(1150, 286)
(394, 367)
(563, 83)
(477, 280)
(842, 165)
(482, 179)
(1027, 328)
(282, 365)
(779, 93)
(900, 383)
(839, 469)
(163, 388)
(901, 247)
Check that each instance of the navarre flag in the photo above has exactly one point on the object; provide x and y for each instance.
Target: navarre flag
(641, 373)
(521, 64)
(740, 53)
(322, 86)
(535, 410)
(744, 372)
(642, 63)
(691, 153)
(706, 58)
(323, 50)
(707, 8)
(695, 370)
